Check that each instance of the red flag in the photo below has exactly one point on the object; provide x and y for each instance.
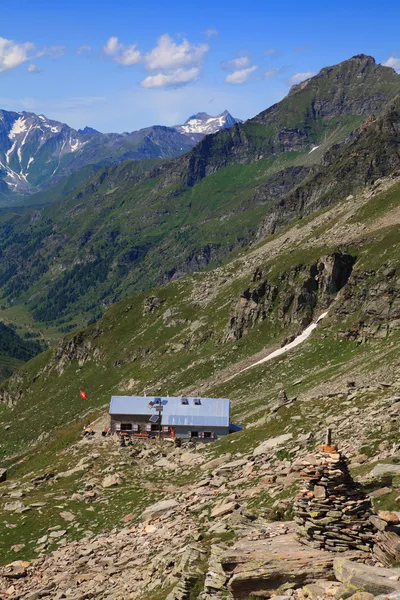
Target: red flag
(82, 394)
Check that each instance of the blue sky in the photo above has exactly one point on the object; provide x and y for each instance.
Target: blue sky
(124, 65)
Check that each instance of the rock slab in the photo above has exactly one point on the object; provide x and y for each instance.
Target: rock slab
(373, 580)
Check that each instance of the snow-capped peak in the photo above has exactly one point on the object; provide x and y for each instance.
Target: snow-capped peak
(202, 124)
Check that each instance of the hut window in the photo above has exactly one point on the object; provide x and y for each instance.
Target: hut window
(207, 434)
(194, 434)
(184, 401)
(126, 426)
(197, 401)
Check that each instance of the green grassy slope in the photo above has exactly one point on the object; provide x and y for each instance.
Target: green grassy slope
(15, 350)
(179, 343)
(131, 227)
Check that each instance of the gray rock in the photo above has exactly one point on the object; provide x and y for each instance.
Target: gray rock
(111, 480)
(223, 509)
(272, 443)
(3, 475)
(14, 506)
(383, 469)
(158, 509)
(216, 462)
(362, 577)
(58, 534)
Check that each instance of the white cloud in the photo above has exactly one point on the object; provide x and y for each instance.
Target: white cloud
(124, 55)
(177, 63)
(301, 49)
(271, 52)
(83, 49)
(240, 76)
(169, 55)
(130, 56)
(112, 46)
(34, 69)
(393, 62)
(13, 54)
(210, 32)
(53, 51)
(176, 78)
(299, 77)
(170, 63)
(271, 73)
(241, 61)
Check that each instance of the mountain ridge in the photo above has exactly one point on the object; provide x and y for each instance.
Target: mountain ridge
(36, 152)
(124, 230)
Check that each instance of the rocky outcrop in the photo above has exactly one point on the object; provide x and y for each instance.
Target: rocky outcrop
(377, 296)
(261, 567)
(365, 157)
(374, 580)
(292, 297)
(387, 537)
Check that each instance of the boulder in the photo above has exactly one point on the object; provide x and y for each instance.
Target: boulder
(158, 509)
(360, 577)
(387, 547)
(260, 567)
(392, 517)
(67, 516)
(216, 462)
(383, 469)
(111, 480)
(165, 463)
(272, 443)
(57, 534)
(362, 596)
(230, 466)
(14, 506)
(3, 475)
(223, 509)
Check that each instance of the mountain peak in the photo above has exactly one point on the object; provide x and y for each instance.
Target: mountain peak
(355, 86)
(86, 130)
(201, 124)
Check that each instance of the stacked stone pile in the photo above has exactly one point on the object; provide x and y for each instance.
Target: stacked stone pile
(332, 512)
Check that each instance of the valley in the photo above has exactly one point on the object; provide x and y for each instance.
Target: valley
(199, 276)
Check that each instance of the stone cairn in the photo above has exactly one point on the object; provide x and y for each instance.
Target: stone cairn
(331, 511)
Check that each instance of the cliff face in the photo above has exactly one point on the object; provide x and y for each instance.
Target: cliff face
(369, 154)
(292, 297)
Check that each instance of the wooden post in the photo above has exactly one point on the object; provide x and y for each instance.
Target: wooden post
(328, 439)
(328, 446)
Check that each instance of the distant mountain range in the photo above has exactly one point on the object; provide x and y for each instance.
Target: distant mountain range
(37, 152)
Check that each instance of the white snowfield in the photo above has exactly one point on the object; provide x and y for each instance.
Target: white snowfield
(19, 126)
(205, 124)
(211, 125)
(312, 149)
(296, 342)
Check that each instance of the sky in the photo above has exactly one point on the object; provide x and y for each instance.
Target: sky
(123, 65)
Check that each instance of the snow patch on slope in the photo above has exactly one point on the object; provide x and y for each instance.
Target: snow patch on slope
(19, 126)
